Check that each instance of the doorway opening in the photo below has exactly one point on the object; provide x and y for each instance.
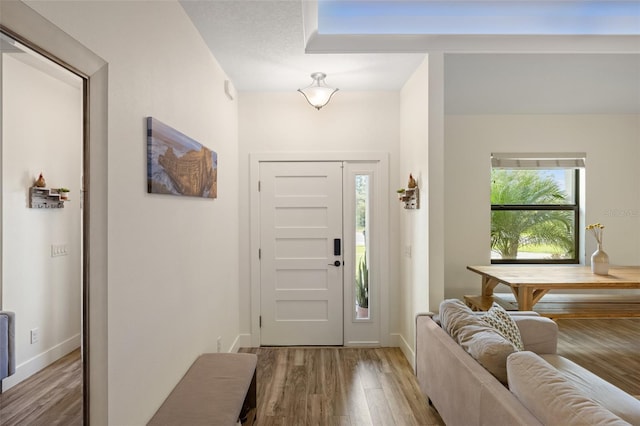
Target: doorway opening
(44, 257)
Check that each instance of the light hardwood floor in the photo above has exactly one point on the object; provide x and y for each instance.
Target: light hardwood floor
(339, 386)
(343, 386)
(609, 348)
(50, 397)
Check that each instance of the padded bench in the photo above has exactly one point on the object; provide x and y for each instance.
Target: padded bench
(573, 305)
(218, 389)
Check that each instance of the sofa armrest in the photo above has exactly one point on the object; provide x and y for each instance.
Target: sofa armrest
(539, 334)
(7, 345)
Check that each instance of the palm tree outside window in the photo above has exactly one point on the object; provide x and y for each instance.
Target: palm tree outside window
(535, 208)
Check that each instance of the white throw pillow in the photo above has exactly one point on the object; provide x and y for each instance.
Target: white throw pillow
(502, 322)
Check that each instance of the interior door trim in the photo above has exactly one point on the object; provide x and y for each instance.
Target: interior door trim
(84, 344)
(30, 28)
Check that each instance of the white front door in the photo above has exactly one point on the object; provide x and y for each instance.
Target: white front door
(301, 273)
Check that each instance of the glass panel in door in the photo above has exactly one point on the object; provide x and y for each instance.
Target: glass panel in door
(362, 198)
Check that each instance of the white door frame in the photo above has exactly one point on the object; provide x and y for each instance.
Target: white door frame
(23, 23)
(382, 191)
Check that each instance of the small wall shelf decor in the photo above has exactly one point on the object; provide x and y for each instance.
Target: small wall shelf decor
(46, 198)
(410, 196)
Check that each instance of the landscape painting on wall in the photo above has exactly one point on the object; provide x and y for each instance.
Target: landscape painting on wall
(177, 164)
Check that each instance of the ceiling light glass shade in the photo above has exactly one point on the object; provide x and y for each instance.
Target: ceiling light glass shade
(318, 93)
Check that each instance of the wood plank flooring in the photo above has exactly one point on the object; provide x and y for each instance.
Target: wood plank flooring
(609, 348)
(336, 386)
(53, 396)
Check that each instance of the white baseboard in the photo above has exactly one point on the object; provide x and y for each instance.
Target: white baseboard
(363, 344)
(241, 341)
(405, 347)
(40, 361)
(395, 340)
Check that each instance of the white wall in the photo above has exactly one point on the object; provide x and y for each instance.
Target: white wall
(42, 132)
(414, 232)
(284, 122)
(172, 261)
(612, 144)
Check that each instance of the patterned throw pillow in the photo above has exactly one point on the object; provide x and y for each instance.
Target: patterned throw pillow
(502, 322)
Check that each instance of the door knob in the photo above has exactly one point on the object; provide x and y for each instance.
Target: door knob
(336, 263)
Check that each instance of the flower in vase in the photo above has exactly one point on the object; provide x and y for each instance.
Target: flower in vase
(596, 230)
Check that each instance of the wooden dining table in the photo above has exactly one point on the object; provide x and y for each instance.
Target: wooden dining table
(530, 283)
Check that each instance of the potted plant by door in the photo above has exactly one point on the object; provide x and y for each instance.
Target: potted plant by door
(362, 288)
(64, 193)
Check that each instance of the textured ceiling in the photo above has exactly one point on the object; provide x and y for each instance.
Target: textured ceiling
(261, 46)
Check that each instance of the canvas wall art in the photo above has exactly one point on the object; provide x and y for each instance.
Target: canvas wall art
(179, 165)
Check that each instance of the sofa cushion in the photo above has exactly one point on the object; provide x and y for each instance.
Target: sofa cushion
(454, 315)
(498, 318)
(476, 337)
(488, 347)
(551, 397)
(604, 393)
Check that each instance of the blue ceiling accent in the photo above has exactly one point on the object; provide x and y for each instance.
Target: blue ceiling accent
(506, 17)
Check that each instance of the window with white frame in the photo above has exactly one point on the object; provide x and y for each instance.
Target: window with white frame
(535, 207)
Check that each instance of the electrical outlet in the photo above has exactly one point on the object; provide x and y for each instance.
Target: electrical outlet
(35, 335)
(219, 343)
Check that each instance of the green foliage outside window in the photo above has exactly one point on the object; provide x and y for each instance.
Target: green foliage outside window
(530, 225)
(362, 196)
(362, 283)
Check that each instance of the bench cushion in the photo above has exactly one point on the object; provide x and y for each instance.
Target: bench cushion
(212, 391)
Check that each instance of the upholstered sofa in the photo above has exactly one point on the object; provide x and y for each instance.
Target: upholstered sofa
(541, 387)
(7, 345)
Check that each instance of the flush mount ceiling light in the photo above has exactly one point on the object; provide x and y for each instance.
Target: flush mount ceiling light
(318, 93)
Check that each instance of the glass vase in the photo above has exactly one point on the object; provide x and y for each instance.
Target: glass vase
(600, 262)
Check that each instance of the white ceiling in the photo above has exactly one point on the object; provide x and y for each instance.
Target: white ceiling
(261, 46)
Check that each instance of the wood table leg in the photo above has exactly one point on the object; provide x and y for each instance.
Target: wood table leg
(537, 295)
(488, 284)
(527, 296)
(524, 297)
